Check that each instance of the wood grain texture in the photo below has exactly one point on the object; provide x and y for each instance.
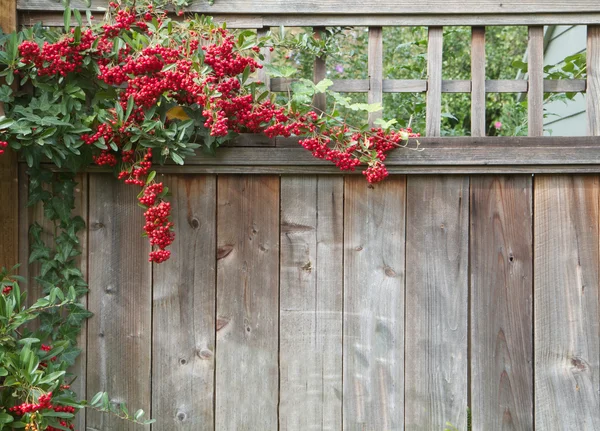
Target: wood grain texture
(119, 333)
(375, 70)
(374, 232)
(255, 20)
(247, 303)
(9, 174)
(478, 81)
(436, 302)
(593, 80)
(183, 323)
(501, 262)
(312, 223)
(404, 86)
(448, 86)
(357, 7)
(266, 52)
(564, 85)
(79, 369)
(506, 86)
(319, 74)
(567, 351)
(535, 70)
(433, 114)
(456, 86)
(442, 151)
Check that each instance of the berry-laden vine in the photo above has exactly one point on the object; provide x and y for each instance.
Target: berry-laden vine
(141, 87)
(137, 89)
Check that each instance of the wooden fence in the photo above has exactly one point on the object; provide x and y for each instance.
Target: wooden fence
(300, 299)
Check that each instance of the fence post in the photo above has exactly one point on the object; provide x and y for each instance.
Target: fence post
(9, 197)
(478, 81)
(535, 95)
(375, 66)
(593, 79)
(434, 82)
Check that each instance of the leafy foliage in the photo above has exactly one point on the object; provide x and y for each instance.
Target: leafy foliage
(34, 380)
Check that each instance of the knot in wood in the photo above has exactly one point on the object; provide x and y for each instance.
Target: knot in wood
(204, 354)
(194, 223)
(578, 363)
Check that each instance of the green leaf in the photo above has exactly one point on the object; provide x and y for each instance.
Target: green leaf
(52, 377)
(151, 177)
(67, 19)
(5, 418)
(77, 16)
(139, 414)
(130, 106)
(5, 123)
(279, 71)
(53, 414)
(323, 85)
(176, 158)
(96, 399)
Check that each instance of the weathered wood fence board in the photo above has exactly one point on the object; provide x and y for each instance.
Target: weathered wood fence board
(374, 235)
(119, 346)
(247, 374)
(358, 7)
(437, 248)
(311, 303)
(501, 271)
(567, 334)
(183, 363)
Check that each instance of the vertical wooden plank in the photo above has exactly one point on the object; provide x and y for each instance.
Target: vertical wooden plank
(247, 303)
(478, 81)
(436, 302)
(535, 70)
(501, 254)
(79, 369)
(266, 52)
(183, 318)
(9, 187)
(374, 233)
(319, 73)
(433, 113)
(312, 222)
(119, 333)
(593, 79)
(566, 337)
(375, 68)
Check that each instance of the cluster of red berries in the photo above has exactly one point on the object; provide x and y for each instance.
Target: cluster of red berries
(151, 192)
(3, 145)
(164, 70)
(158, 227)
(136, 173)
(43, 403)
(59, 58)
(46, 348)
(224, 60)
(7, 290)
(106, 158)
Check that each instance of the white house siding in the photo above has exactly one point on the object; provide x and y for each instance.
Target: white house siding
(565, 118)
